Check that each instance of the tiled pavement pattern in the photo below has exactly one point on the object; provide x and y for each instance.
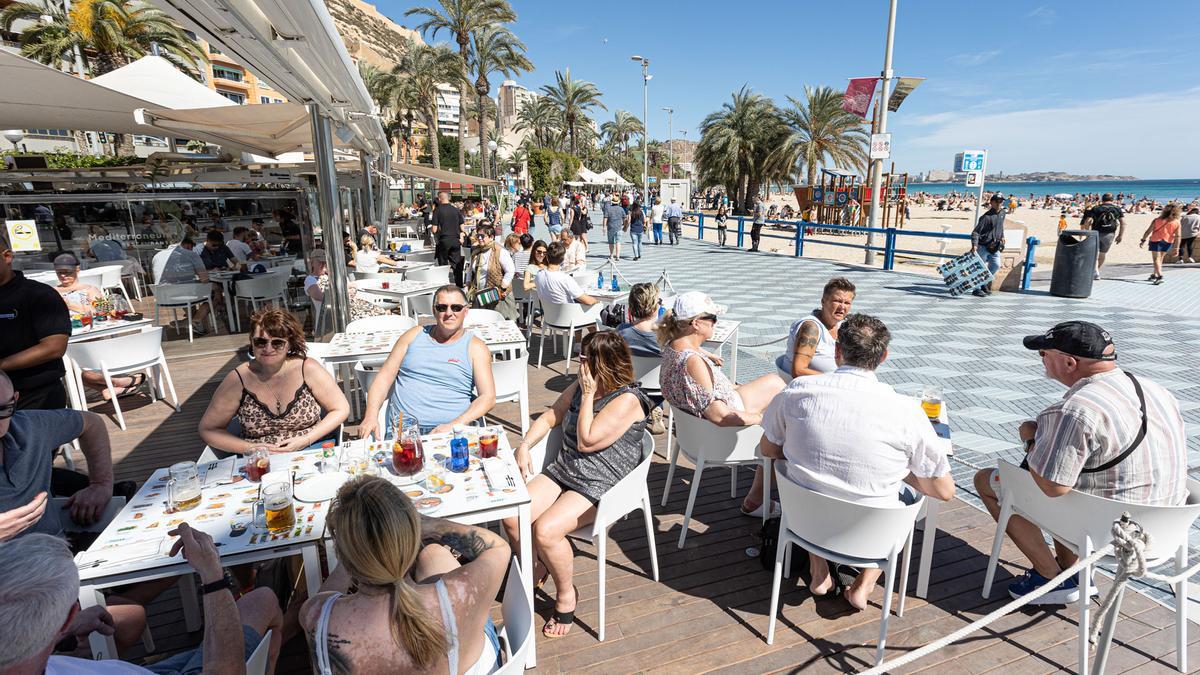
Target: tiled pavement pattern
(970, 346)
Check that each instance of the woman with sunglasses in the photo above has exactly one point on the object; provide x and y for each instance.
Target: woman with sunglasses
(537, 263)
(602, 416)
(492, 270)
(282, 399)
(439, 375)
(692, 385)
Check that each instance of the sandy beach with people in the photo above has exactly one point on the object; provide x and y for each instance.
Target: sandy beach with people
(1040, 223)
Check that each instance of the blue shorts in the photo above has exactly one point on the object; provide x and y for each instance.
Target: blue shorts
(192, 662)
(614, 236)
(1160, 246)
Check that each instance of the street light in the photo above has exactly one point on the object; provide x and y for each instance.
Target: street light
(495, 160)
(670, 142)
(14, 136)
(645, 131)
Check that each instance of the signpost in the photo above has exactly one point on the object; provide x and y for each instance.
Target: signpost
(881, 146)
(974, 163)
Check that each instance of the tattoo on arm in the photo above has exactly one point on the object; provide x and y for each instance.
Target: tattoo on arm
(808, 337)
(467, 545)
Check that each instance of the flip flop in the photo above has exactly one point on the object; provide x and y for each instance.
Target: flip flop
(561, 619)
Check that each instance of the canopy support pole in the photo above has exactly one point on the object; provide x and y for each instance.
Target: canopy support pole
(368, 206)
(337, 299)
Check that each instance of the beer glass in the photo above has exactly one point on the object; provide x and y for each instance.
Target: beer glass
(183, 487)
(355, 460)
(931, 401)
(278, 514)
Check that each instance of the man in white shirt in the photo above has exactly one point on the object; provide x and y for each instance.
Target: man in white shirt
(847, 435)
(575, 255)
(241, 250)
(555, 286)
(656, 220)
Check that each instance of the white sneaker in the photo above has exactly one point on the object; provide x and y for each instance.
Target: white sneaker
(1095, 276)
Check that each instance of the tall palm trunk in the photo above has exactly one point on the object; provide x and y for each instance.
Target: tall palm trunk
(483, 137)
(433, 137)
(464, 42)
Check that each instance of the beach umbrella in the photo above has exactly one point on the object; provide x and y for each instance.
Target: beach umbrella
(1063, 195)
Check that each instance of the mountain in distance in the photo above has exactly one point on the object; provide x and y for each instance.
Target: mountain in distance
(1029, 177)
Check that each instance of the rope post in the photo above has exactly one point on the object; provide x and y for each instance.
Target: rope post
(1027, 273)
(741, 230)
(700, 220)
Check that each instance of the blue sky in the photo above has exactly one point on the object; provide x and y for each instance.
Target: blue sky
(1084, 87)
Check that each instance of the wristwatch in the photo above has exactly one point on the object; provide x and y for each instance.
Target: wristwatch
(220, 584)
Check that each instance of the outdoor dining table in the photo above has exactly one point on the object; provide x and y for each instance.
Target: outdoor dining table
(400, 290)
(404, 266)
(133, 547)
(96, 331)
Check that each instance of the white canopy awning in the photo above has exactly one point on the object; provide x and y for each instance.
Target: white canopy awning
(154, 79)
(588, 176)
(611, 177)
(267, 129)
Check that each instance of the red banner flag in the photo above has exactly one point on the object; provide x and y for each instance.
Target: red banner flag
(858, 95)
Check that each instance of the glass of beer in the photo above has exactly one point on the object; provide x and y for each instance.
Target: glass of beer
(183, 487)
(489, 442)
(278, 513)
(931, 401)
(408, 457)
(258, 462)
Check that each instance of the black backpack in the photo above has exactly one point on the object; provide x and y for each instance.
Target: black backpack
(1105, 217)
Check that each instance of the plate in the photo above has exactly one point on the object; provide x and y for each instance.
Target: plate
(408, 480)
(321, 487)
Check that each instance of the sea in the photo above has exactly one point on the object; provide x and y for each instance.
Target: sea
(1182, 189)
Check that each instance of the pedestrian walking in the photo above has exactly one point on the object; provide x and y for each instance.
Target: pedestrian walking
(760, 219)
(637, 227)
(1189, 227)
(1108, 220)
(674, 216)
(987, 239)
(656, 221)
(1163, 234)
(722, 228)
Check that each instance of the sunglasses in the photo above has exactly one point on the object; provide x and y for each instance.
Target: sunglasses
(452, 308)
(707, 317)
(7, 410)
(276, 343)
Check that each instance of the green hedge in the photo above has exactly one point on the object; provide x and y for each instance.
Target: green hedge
(75, 160)
(548, 169)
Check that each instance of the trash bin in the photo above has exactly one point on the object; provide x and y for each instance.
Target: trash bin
(1074, 263)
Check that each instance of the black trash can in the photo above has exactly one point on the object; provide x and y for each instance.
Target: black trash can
(1074, 263)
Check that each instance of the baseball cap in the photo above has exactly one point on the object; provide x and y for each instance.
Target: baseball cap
(997, 197)
(65, 261)
(694, 303)
(1077, 338)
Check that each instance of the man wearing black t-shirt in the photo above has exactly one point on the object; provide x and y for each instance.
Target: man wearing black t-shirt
(34, 327)
(1108, 220)
(447, 225)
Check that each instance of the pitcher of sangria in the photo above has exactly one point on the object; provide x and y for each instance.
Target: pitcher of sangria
(408, 457)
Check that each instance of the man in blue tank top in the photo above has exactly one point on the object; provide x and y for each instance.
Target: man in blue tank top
(439, 375)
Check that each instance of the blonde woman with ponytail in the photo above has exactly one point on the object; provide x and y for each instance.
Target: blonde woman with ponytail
(400, 601)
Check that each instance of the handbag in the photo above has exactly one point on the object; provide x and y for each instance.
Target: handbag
(485, 297)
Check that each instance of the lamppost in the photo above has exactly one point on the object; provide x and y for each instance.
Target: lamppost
(880, 127)
(492, 156)
(14, 136)
(670, 142)
(645, 131)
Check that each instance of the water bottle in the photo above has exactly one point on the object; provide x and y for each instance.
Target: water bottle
(615, 285)
(600, 280)
(661, 310)
(459, 459)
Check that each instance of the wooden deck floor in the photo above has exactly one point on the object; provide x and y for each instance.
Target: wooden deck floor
(708, 612)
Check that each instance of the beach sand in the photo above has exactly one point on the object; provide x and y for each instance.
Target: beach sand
(1040, 223)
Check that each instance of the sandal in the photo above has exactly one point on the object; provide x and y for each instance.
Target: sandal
(757, 512)
(128, 390)
(561, 619)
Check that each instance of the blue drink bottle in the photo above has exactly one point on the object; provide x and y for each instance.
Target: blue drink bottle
(615, 285)
(600, 280)
(459, 457)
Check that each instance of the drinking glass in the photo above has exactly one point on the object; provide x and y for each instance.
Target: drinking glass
(183, 487)
(408, 457)
(489, 441)
(931, 401)
(355, 460)
(258, 462)
(278, 514)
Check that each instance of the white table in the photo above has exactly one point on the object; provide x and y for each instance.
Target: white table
(405, 266)
(399, 290)
(76, 397)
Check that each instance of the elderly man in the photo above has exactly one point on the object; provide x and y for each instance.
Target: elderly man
(574, 251)
(39, 612)
(439, 376)
(1112, 435)
(674, 215)
(817, 425)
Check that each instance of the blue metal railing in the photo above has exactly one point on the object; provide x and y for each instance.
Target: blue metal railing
(891, 236)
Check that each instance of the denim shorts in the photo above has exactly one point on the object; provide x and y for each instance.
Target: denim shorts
(192, 662)
(1160, 246)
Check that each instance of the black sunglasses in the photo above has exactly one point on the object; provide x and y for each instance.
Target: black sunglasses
(453, 308)
(276, 343)
(7, 410)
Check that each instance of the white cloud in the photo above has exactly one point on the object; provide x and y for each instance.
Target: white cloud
(974, 58)
(1150, 136)
(1042, 14)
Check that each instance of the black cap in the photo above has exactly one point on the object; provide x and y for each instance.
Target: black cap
(997, 197)
(1077, 338)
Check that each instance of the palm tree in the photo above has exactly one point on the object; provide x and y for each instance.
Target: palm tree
(462, 18)
(540, 117)
(108, 34)
(822, 133)
(497, 50)
(621, 128)
(382, 86)
(420, 71)
(574, 98)
(737, 145)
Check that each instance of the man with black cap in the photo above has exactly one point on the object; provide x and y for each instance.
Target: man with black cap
(987, 239)
(1112, 435)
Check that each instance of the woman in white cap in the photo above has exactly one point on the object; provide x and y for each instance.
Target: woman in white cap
(691, 383)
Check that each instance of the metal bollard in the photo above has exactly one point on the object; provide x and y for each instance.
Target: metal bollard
(700, 223)
(1026, 274)
(741, 230)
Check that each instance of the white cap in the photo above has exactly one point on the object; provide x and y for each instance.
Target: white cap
(694, 303)
(458, 429)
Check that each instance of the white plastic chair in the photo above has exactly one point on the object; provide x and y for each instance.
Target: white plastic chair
(257, 663)
(266, 289)
(524, 300)
(373, 275)
(1084, 523)
(565, 320)
(629, 494)
(707, 444)
(372, 324)
(92, 277)
(646, 369)
(419, 256)
(439, 274)
(846, 533)
(480, 317)
(158, 263)
(420, 305)
(110, 279)
(318, 312)
(139, 352)
(517, 631)
(185, 296)
(512, 384)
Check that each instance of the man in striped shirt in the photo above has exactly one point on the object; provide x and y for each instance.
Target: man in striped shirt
(1111, 435)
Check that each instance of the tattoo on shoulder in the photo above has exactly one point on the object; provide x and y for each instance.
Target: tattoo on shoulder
(809, 335)
(339, 661)
(467, 545)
